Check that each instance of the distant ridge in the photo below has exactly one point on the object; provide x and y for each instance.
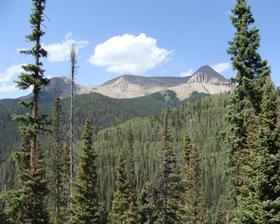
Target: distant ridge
(204, 80)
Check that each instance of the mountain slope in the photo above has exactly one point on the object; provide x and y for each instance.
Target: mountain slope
(204, 80)
(102, 110)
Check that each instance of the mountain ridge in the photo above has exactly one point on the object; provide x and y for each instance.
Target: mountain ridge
(204, 80)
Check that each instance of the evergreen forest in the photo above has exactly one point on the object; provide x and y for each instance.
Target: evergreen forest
(92, 159)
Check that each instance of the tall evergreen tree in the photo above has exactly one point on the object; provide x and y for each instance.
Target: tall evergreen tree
(120, 202)
(85, 201)
(29, 159)
(56, 184)
(245, 116)
(251, 69)
(169, 183)
(124, 208)
(194, 192)
(251, 73)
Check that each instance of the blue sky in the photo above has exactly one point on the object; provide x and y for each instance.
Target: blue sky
(149, 37)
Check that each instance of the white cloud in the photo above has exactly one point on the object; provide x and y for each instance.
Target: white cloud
(187, 73)
(129, 54)
(60, 51)
(221, 67)
(8, 88)
(10, 73)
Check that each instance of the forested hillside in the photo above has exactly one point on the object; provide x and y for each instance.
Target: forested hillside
(103, 111)
(203, 118)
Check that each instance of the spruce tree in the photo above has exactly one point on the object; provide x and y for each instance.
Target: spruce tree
(85, 201)
(194, 192)
(124, 206)
(30, 162)
(169, 183)
(120, 203)
(251, 69)
(245, 101)
(56, 184)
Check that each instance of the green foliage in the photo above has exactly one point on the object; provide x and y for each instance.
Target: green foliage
(162, 202)
(65, 202)
(29, 207)
(85, 201)
(253, 132)
(56, 166)
(35, 191)
(169, 182)
(103, 111)
(124, 205)
(269, 153)
(193, 193)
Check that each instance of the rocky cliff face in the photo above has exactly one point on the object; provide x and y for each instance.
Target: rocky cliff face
(204, 80)
(208, 75)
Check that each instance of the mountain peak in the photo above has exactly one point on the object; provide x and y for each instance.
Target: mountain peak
(206, 74)
(205, 68)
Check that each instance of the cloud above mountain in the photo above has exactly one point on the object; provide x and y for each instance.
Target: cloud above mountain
(221, 67)
(58, 52)
(10, 73)
(129, 54)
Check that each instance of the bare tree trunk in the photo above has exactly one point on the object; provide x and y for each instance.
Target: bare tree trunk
(73, 59)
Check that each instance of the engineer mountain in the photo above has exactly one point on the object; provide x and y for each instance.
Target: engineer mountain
(204, 80)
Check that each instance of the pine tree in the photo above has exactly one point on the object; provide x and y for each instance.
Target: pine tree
(194, 192)
(124, 208)
(56, 184)
(169, 184)
(246, 98)
(251, 70)
(31, 168)
(85, 201)
(120, 202)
